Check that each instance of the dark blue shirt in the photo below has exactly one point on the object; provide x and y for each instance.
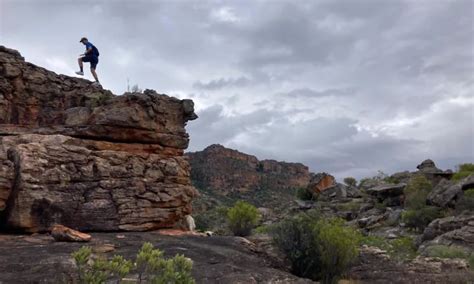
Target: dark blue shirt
(90, 45)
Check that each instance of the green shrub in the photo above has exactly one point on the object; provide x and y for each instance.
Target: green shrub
(418, 219)
(318, 249)
(416, 192)
(242, 218)
(350, 181)
(464, 170)
(264, 229)
(302, 193)
(149, 266)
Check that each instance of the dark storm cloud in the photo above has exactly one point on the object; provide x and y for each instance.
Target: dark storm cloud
(344, 86)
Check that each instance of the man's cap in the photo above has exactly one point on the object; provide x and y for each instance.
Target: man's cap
(83, 39)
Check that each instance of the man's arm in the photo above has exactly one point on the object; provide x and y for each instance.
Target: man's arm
(88, 49)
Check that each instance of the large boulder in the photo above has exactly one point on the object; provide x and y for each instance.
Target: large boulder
(391, 194)
(441, 226)
(320, 182)
(446, 192)
(75, 154)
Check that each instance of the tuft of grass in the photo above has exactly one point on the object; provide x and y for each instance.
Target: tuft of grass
(401, 249)
(443, 251)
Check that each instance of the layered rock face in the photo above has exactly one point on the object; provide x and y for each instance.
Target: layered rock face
(225, 170)
(75, 154)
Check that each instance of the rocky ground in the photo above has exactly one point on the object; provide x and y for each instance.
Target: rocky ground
(39, 259)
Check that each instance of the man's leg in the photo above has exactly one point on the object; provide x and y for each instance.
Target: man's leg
(94, 74)
(79, 60)
(81, 71)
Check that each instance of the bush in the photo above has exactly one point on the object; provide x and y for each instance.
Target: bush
(418, 219)
(416, 192)
(464, 170)
(242, 218)
(318, 249)
(150, 265)
(350, 181)
(303, 193)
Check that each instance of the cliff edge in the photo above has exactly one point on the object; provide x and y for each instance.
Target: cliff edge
(76, 154)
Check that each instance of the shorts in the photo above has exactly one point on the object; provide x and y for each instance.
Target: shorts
(92, 59)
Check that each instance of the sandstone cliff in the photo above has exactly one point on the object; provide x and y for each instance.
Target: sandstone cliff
(76, 154)
(225, 170)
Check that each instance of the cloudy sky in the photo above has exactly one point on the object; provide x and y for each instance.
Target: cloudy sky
(349, 87)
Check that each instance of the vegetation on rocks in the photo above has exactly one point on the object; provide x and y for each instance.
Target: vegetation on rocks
(350, 181)
(242, 218)
(303, 193)
(418, 215)
(464, 170)
(319, 249)
(401, 249)
(150, 266)
(466, 201)
(443, 251)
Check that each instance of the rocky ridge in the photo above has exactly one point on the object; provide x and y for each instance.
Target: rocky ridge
(211, 168)
(75, 154)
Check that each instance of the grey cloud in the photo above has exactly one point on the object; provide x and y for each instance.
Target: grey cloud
(222, 83)
(307, 93)
(386, 67)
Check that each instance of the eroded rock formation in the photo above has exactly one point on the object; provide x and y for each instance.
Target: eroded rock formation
(224, 170)
(76, 154)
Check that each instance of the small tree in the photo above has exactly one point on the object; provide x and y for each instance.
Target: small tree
(350, 181)
(242, 218)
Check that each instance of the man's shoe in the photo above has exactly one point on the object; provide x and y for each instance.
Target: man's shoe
(96, 83)
(80, 73)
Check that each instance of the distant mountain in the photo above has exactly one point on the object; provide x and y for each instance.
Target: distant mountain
(225, 175)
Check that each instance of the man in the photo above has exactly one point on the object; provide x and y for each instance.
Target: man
(91, 55)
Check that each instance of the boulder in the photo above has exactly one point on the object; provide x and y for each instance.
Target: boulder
(446, 192)
(75, 154)
(432, 173)
(444, 225)
(62, 233)
(391, 194)
(320, 182)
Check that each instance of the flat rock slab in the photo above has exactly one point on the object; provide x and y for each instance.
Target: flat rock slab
(216, 259)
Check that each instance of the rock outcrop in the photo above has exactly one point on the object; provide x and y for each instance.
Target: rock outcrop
(446, 192)
(75, 154)
(224, 170)
(320, 182)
